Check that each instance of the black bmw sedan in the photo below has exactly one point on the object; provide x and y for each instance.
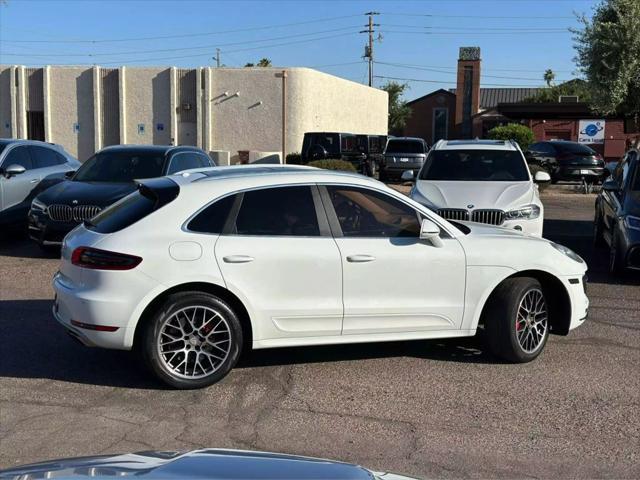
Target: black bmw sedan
(103, 179)
(617, 219)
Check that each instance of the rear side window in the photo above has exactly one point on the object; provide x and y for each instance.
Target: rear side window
(212, 218)
(134, 207)
(278, 211)
(187, 160)
(45, 157)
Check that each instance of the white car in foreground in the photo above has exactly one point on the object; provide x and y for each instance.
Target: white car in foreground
(485, 181)
(194, 267)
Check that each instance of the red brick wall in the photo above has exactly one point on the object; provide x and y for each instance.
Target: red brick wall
(420, 124)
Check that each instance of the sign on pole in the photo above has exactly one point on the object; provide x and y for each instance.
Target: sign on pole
(591, 131)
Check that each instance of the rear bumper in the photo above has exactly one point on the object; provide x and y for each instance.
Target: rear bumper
(577, 172)
(395, 172)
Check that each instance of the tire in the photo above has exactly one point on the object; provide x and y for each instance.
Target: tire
(616, 262)
(510, 335)
(211, 349)
(598, 238)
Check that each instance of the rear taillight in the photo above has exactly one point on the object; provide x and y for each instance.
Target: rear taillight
(96, 259)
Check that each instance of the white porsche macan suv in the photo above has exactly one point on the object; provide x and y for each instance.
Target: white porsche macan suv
(192, 268)
(484, 181)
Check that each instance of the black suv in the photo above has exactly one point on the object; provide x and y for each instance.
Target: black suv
(103, 179)
(566, 160)
(617, 219)
(402, 154)
(364, 152)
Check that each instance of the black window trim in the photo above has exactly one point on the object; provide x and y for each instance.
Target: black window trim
(321, 216)
(334, 223)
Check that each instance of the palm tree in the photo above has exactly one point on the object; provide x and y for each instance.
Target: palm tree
(549, 76)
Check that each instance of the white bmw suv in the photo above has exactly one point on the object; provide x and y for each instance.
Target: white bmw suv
(192, 268)
(485, 181)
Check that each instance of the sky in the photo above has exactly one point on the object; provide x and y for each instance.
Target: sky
(416, 41)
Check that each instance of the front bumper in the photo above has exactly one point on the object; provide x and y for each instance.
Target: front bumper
(578, 297)
(46, 231)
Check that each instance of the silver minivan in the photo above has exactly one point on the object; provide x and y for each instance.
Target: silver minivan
(24, 164)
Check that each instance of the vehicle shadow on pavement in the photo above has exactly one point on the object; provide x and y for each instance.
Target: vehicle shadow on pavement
(34, 345)
(15, 245)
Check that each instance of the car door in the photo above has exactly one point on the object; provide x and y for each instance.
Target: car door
(16, 189)
(392, 281)
(612, 200)
(277, 254)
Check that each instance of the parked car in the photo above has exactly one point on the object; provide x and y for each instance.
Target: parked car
(206, 463)
(617, 217)
(566, 160)
(193, 268)
(402, 154)
(362, 151)
(23, 165)
(485, 181)
(103, 179)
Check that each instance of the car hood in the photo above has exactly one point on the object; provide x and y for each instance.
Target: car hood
(86, 193)
(632, 203)
(500, 195)
(198, 464)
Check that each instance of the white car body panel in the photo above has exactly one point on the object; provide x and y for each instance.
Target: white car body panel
(302, 290)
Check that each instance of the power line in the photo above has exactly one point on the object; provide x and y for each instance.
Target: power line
(430, 27)
(468, 32)
(187, 35)
(140, 52)
(422, 80)
(399, 65)
(487, 69)
(506, 17)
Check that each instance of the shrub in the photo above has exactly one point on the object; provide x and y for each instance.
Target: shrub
(513, 131)
(294, 158)
(533, 168)
(333, 165)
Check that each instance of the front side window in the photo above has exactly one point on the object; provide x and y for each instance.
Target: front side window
(635, 183)
(18, 156)
(45, 157)
(121, 166)
(365, 213)
(278, 211)
(185, 161)
(475, 165)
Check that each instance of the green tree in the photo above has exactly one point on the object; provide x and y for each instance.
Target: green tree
(399, 111)
(608, 53)
(549, 76)
(577, 87)
(513, 131)
(263, 62)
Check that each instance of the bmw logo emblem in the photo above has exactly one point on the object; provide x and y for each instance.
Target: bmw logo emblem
(75, 202)
(470, 205)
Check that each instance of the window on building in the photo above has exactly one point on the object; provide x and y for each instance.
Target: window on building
(365, 213)
(278, 211)
(440, 124)
(35, 125)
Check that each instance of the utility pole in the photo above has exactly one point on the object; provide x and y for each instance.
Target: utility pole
(368, 49)
(217, 58)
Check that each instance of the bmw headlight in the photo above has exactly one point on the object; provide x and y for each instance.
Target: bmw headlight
(632, 222)
(528, 212)
(568, 252)
(38, 206)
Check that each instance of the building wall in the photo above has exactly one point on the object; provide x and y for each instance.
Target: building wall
(5, 102)
(420, 124)
(70, 104)
(221, 109)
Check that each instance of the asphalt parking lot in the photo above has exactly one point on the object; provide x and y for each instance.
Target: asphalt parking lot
(429, 408)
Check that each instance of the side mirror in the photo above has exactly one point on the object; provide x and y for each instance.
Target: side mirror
(408, 176)
(541, 177)
(430, 232)
(14, 169)
(611, 186)
(69, 174)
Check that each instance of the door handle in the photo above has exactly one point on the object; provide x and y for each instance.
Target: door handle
(360, 258)
(35, 180)
(237, 259)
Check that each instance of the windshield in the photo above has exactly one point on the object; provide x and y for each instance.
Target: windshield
(404, 146)
(121, 167)
(475, 165)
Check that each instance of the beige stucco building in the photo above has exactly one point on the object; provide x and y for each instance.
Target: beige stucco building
(223, 110)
